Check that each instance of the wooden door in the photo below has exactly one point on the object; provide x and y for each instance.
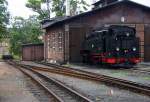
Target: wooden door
(76, 36)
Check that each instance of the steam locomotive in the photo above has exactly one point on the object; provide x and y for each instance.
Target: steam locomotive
(113, 45)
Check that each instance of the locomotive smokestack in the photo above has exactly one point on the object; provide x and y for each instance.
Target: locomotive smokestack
(67, 7)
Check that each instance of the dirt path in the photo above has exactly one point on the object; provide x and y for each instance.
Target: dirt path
(13, 86)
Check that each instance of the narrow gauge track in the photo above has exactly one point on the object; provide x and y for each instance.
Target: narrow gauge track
(136, 69)
(132, 69)
(59, 91)
(50, 94)
(140, 70)
(125, 84)
(59, 66)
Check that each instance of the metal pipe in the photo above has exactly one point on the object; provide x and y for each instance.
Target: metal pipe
(48, 8)
(67, 7)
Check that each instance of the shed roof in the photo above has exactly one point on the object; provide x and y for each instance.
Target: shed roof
(46, 23)
(100, 1)
(30, 44)
(97, 2)
(66, 19)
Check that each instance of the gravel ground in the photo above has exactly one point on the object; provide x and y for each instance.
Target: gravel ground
(118, 73)
(12, 85)
(99, 92)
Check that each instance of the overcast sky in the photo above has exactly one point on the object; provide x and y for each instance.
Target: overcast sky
(17, 7)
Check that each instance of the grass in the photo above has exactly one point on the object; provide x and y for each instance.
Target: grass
(16, 57)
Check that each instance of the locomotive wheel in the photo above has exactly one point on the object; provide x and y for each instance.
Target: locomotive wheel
(86, 59)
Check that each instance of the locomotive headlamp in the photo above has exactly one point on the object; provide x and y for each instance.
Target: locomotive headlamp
(127, 34)
(92, 45)
(134, 49)
(117, 49)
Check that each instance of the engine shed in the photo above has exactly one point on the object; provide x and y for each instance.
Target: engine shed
(64, 35)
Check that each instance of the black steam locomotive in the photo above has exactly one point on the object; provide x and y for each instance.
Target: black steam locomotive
(113, 45)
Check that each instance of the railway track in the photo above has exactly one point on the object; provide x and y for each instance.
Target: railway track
(132, 69)
(140, 70)
(60, 92)
(38, 91)
(125, 84)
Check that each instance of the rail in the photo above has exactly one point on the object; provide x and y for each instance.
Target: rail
(60, 91)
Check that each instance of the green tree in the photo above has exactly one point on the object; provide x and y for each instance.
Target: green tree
(57, 6)
(24, 31)
(4, 18)
(78, 6)
(35, 5)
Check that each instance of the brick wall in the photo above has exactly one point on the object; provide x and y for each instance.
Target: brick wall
(54, 45)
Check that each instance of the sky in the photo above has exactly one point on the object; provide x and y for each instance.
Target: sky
(17, 7)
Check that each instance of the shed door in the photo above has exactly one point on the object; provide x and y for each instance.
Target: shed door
(76, 36)
(147, 44)
(27, 56)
